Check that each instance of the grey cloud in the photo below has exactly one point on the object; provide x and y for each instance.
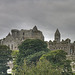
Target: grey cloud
(48, 15)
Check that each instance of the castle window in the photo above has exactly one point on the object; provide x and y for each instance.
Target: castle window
(23, 33)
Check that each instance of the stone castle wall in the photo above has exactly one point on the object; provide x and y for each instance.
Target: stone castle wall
(65, 45)
(17, 36)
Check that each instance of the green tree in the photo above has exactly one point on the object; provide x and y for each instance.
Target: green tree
(28, 49)
(42, 68)
(34, 58)
(55, 56)
(58, 59)
(14, 55)
(5, 56)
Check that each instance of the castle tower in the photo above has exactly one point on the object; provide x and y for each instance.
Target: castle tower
(57, 36)
(15, 33)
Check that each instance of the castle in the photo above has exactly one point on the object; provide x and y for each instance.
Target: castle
(65, 45)
(16, 37)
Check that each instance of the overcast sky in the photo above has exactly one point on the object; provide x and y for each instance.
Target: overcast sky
(47, 15)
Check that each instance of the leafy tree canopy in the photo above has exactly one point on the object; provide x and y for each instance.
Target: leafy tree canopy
(42, 68)
(34, 58)
(5, 56)
(55, 56)
(58, 59)
(31, 46)
(28, 49)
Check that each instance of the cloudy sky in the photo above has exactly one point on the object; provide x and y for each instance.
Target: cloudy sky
(47, 15)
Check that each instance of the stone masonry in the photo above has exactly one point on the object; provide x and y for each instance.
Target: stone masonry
(17, 36)
(65, 45)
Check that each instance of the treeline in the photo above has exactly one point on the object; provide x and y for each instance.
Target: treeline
(34, 58)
